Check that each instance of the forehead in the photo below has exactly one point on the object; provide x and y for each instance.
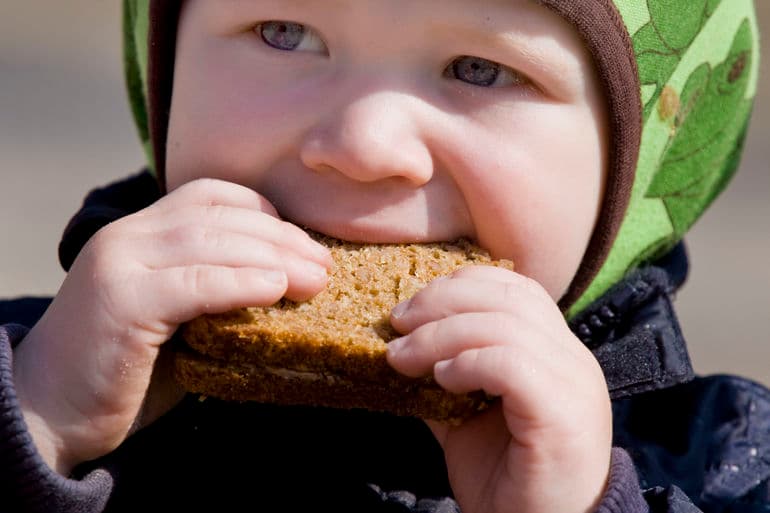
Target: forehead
(489, 13)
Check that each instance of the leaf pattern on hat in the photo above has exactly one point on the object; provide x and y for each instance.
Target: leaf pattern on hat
(660, 44)
(697, 67)
(707, 134)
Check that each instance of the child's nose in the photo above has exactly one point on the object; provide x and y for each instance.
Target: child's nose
(373, 138)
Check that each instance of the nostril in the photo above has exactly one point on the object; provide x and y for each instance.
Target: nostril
(311, 155)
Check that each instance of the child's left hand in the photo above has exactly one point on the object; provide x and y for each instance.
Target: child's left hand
(546, 446)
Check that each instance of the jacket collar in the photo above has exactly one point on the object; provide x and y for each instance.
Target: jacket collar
(633, 331)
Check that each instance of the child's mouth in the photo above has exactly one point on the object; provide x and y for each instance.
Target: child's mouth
(386, 212)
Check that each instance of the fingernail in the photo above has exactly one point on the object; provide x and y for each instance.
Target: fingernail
(396, 345)
(315, 270)
(400, 309)
(320, 251)
(275, 277)
(441, 366)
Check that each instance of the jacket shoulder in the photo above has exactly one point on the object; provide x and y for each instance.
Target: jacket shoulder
(710, 437)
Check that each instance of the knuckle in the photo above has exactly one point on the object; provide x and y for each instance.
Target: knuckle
(101, 253)
(187, 235)
(501, 323)
(507, 359)
(520, 286)
(533, 287)
(510, 293)
(505, 365)
(213, 238)
(294, 231)
(288, 231)
(108, 235)
(431, 340)
(214, 214)
(204, 187)
(195, 280)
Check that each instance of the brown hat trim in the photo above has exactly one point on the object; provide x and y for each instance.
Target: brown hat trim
(161, 44)
(605, 35)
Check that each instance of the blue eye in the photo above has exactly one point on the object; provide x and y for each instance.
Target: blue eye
(282, 35)
(289, 36)
(482, 72)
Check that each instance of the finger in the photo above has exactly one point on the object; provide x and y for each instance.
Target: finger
(415, 354)
(193, 244)
(196, 222)
(531, 386)
(179, 294)
(498, 370)
(500, 274)
(444, 298)
(487, 425)
(483, 273)
(439, 429)
(163, 392)
(217, 204)
(211, 192)
(526, 387)
(197, 245)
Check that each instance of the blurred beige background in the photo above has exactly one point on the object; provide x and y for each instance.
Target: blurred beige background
(65, 127)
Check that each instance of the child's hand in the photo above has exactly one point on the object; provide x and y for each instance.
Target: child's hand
(83, 371)
(546, 446)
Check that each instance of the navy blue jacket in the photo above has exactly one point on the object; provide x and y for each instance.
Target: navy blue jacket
(682, 443)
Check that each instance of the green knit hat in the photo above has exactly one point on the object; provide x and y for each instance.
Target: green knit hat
(679, 75)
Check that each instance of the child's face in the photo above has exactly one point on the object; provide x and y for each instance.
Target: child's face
(390, 121)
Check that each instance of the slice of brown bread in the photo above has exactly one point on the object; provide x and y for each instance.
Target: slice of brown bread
(330, 350)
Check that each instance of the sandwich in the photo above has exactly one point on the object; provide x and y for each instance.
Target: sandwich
(330, 351)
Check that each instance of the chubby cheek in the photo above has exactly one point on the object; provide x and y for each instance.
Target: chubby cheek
(193, 153)
(534, 191)
(225, 119)
(208, 137)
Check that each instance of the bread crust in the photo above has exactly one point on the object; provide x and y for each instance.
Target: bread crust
(330, 351)
(400, 396)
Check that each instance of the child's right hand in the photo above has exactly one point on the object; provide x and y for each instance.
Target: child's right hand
(83, 371)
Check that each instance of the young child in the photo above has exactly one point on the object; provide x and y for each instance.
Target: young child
(581, 139)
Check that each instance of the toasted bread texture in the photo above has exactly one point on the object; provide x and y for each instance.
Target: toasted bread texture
(330, 351)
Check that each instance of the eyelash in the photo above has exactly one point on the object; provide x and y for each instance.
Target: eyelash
(501, 76)
(497, 74)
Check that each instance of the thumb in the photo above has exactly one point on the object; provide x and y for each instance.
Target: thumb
(439, 430)
(163, 392)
